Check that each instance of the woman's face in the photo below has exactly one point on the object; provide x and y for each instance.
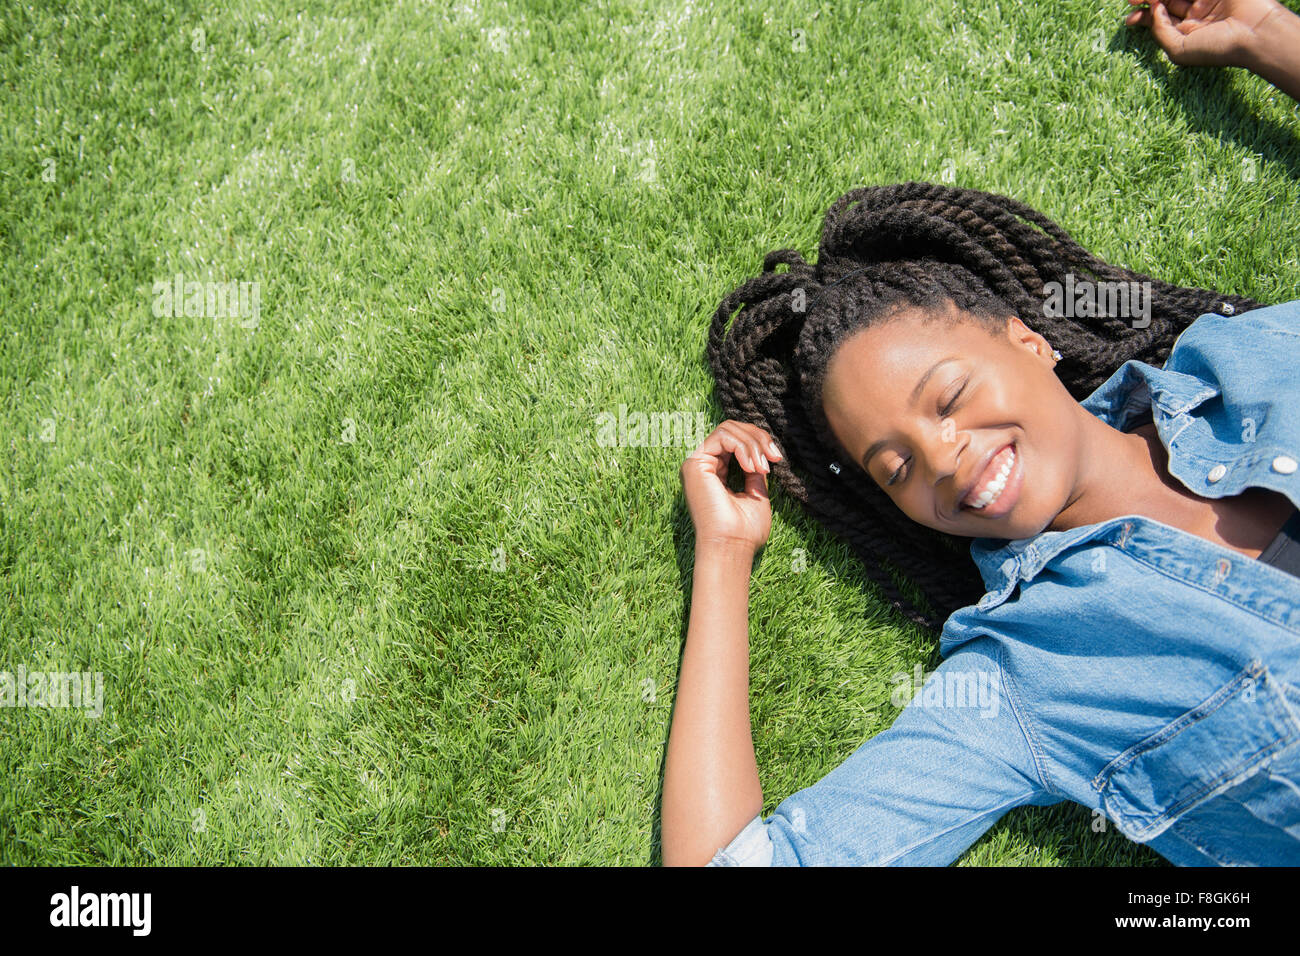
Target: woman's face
(928, 410)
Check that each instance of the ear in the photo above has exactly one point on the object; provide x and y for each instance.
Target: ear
(1022, 336)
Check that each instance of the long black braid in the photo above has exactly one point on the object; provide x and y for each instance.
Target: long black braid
(921, 245)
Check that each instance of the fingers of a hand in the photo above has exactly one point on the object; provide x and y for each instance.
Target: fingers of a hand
(1179, 8)
(751, 446)
(763, 444)
(1140, 17)
(756, 485)
(766, 445)
(718, 444)
(713, 454)
(748, 449)
(734, 443)
(700, 464)
(1166, 33)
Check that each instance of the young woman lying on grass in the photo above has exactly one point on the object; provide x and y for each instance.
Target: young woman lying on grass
(1129, 635)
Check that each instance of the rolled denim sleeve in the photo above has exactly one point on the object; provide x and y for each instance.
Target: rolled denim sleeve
(917, 794)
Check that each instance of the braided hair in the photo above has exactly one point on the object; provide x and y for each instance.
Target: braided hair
(888, 248)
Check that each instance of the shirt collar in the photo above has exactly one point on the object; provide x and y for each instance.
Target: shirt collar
(1128, 394)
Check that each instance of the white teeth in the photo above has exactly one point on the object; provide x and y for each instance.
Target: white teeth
(995, 487)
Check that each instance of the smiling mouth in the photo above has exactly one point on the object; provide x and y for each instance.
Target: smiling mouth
(999, 485)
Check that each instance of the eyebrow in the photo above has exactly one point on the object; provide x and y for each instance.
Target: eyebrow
(916, 394)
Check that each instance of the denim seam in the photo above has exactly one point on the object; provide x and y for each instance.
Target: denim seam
(1229, 454)
(1280, 332)
(1026, 728)
(1174, 437)
(1213, 593)
(1253, 763)
(1196, 714)
(1195, 400)
(1153, 827)
(1009, 804)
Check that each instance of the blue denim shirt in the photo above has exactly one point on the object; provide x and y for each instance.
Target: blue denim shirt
(1129, 666)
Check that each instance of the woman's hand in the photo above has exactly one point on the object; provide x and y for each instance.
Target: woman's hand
(1207, 32)
(721, 516)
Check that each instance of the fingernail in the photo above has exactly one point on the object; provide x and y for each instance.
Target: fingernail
(772, 447)
(762, 458)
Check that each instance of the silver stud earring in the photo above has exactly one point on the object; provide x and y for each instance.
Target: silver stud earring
(1056, 355)
(835, 467)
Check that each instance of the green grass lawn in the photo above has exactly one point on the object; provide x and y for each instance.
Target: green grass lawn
(362, 583)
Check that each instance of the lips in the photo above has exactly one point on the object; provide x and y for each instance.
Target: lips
(988, 470)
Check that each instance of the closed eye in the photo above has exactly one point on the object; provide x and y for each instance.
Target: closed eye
(943, 413)
(952, 403)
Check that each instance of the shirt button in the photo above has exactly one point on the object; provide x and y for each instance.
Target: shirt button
(1284, 464)
(1217, 472)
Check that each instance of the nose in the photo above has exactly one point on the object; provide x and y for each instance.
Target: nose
(943, 448)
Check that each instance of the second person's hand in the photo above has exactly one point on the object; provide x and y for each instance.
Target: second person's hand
(1206, 32)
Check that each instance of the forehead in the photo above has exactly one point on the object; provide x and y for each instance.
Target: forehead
(893, 355)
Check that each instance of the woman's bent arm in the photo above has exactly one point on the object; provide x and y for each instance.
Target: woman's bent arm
(1277, 57)
(711, 787)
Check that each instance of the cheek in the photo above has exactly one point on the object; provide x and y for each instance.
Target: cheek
(1018, 402)
(1008, 395)
(917, 503)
